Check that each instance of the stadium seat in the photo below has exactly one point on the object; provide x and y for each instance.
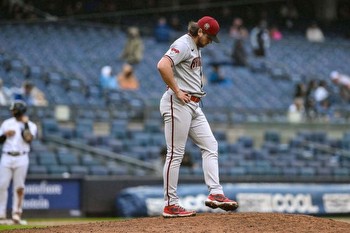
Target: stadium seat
(341, 172)
(237, 171)
(153, 126)
(78, 170)
(116, 145)
(141, 138)
(49, 127)
(119, 129)
(246, 141)
(186, 170)
(67, 158)
(57, 169)
(87, 160)
(32, 159)
(118, 170)
(290, 171)
(272, 136)
(157, 139)
(47, 158)
(307, 171)
(98, 170)
(274, 171)
(84, 127)
(322, 171)
(37, 170)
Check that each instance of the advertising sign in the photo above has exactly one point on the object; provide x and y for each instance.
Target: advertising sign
(50, 195)
(252, 197)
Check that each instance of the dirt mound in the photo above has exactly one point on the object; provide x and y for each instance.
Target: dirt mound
(209, 222)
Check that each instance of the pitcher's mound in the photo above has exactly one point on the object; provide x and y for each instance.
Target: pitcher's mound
(210, 222)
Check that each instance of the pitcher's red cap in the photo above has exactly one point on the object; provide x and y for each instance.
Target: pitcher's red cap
(210, 26)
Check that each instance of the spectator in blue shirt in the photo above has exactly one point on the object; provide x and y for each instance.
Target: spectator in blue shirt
(30, 94)
(107, 79)
(162, 30)
(217, 77)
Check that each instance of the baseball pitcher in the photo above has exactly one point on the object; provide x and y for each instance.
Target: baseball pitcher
(181, 70)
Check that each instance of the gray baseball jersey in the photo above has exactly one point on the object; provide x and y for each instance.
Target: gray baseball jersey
(186, 58)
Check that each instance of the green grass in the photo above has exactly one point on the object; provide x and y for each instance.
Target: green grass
(45, 222)
(13, 227)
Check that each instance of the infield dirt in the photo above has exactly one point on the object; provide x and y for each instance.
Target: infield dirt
(207, 222)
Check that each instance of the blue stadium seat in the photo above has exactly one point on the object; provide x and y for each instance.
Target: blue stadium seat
(119, 128)
(98, 170)
(197, 171)
(322, 171)
(37, 169)
(138, 152)
(307, 171)
(116, 145)
(84, 127)
(246, 141)
(153, 125)
(341, 172)
(272, 136)
(87, 160)
(32, 159)
(157, 139)
(290, 171)
(118, 170)
(78, 170)
(141, 138)
(67, 158)
(274, 171)
(47, 158)
(238, 171)
(57, 169)
(49, 127)
(185, 170)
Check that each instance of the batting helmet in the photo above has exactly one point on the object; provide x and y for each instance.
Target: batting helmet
(18, 107)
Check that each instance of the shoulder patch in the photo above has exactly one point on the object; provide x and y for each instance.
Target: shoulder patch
(174, 50)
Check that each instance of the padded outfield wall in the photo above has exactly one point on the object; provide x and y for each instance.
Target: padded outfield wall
(130, 197)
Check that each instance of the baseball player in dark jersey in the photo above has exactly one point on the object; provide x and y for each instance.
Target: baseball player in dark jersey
(181, 70)
(16, 133)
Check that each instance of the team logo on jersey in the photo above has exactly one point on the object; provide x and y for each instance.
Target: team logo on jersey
(196, 63)
(173, 50)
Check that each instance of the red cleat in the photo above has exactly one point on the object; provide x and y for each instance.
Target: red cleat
(173, 211)
(220, 201)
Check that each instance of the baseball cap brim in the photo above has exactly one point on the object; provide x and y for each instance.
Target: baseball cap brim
(214, 38)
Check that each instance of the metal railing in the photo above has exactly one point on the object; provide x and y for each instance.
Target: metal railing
(101, 152)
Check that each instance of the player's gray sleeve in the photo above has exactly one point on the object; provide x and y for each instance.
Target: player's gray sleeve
(178, 52)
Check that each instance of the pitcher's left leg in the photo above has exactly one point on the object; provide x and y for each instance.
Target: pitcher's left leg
(201, 134)
(203, 137)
